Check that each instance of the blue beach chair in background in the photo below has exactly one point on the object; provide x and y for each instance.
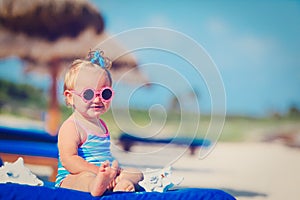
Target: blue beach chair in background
(36, 147)
(127, 140)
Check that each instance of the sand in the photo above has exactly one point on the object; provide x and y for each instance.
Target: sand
(245, 170)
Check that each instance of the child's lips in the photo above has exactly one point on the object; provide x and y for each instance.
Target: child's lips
(97, 107)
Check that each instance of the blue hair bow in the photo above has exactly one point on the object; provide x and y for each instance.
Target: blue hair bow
(97, 57)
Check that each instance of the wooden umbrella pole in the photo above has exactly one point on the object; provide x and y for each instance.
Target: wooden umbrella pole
(53, 117)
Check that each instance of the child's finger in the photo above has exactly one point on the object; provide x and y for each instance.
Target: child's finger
(106, 163)
(103, 166)
(115, 165)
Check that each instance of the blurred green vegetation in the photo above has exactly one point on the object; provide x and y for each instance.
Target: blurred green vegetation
(26, 101)
(235, 129)
(238, 128)
(21, 99)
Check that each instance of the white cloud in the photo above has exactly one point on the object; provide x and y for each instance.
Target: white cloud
(158, 21)
(237, 47)
(254, 48)
(216, 25)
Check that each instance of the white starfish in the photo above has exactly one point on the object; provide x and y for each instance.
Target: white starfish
(159, 181)
(17, 173)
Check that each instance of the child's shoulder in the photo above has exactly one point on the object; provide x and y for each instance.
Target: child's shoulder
(68, 124)
(70, 128)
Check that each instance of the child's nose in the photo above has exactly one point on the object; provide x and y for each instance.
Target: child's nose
(97, 98)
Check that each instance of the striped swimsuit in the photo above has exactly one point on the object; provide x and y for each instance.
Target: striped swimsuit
(95, 150)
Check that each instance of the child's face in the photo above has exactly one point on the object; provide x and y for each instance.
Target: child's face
(95, 79)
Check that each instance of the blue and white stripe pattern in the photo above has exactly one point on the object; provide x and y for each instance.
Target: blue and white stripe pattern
(95, 150)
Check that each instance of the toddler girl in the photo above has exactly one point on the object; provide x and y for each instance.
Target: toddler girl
(85, 160)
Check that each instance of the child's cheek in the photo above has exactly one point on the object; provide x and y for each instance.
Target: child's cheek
(107, 106)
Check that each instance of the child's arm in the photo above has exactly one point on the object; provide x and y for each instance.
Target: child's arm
(68, 142)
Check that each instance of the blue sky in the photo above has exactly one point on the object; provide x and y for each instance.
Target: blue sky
(254, 44)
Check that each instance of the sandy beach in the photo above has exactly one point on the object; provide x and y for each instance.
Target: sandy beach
(246, 170)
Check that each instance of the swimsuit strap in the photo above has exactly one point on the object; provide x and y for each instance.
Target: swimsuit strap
(104, 125)
(88, 131)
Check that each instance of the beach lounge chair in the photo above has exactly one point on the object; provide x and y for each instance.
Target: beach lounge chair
(127, 140)
(34, 146)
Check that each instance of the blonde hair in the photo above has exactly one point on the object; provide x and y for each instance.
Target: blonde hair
(72, 72)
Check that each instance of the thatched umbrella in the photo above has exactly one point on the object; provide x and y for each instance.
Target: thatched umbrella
(48, 34)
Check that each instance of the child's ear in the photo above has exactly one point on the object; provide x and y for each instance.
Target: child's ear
(69, 97)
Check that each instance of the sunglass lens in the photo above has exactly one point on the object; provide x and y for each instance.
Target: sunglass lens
(88, 94)
(106, 94)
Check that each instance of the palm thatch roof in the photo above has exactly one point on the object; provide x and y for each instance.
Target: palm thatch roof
(50, 19)
(49, 34)
(55, 32)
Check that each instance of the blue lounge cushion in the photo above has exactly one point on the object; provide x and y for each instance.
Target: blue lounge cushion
(17, 191)
(176, 140)
(28, 134)
(29, 148)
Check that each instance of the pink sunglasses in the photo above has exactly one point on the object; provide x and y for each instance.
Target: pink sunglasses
(89, 94)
